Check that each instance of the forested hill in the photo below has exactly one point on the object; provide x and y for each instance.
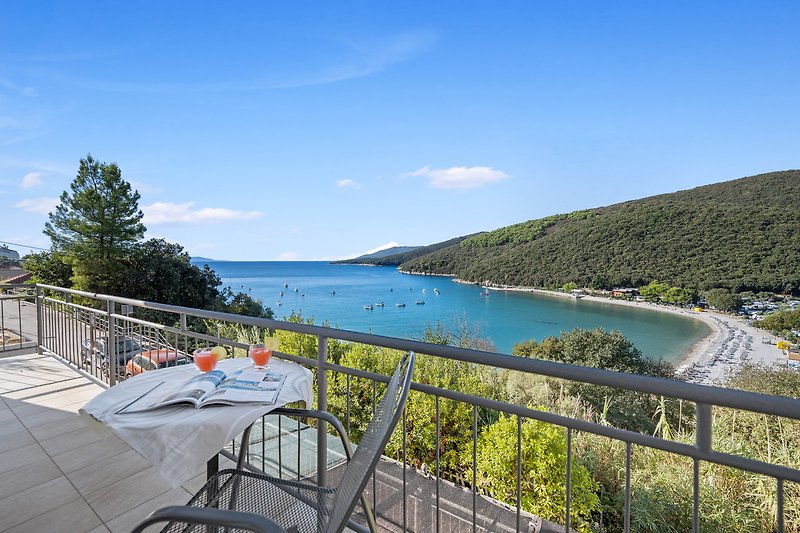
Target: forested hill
(742, 234)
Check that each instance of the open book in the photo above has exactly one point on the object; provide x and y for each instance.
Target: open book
(243, 386)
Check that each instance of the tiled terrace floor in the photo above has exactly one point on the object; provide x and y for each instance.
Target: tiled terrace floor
(59, 474)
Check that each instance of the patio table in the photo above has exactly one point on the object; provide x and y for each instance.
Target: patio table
(178, 440)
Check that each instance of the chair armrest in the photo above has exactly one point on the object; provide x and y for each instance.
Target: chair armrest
(311, 413)
(320, 415)
(212, 517)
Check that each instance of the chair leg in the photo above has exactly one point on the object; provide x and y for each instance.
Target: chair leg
(243, 451)
(373, 527)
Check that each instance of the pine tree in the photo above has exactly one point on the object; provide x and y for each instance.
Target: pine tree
(96, 224)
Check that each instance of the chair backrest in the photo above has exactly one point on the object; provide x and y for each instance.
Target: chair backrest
(369, 450)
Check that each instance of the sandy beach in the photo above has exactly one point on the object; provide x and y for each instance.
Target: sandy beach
(731, 343)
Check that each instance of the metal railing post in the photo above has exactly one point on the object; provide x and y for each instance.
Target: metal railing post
(703, 441)
(39, 321)
(111, 347)
(3, 318)
(322, 405)
(703, 422)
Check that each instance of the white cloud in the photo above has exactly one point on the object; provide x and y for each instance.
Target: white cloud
(288, 256)
(31, 179)
(160, 213)
(346, 183)
(459, 178)
(41, 206)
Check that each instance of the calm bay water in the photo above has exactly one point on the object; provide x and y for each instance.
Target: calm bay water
(338, 293)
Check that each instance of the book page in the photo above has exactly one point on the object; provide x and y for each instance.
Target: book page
(190, 392)
(247, 386)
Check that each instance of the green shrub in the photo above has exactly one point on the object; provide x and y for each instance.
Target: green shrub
(543, 476)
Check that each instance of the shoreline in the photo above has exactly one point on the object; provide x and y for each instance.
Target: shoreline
(731, 343)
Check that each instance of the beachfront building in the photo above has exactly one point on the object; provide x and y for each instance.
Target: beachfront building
(628, 292)
(8, 255)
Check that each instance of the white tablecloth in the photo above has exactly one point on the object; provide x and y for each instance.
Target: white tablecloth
(179, 440)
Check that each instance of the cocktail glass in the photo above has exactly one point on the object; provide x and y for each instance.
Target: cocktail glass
(204, 359)
(260, 355)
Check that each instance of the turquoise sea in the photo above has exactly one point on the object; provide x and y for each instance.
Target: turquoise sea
(338, 293)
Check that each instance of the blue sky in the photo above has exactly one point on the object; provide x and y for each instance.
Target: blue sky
(314, 130)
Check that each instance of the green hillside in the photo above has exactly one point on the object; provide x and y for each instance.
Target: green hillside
(742, 234)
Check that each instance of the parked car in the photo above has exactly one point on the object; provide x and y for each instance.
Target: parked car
(96, 352)
(153, 359)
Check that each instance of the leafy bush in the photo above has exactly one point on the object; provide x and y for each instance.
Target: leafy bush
(599, 349)
(543, 476)
(723, 299)
(781, 322)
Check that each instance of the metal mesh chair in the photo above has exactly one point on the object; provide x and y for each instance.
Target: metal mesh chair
(247, 501)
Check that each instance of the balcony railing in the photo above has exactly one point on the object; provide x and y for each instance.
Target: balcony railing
(68, 320)
(12, 334)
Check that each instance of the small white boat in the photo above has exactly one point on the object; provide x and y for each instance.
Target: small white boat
(400, 305)
(379, 305)
(420, 302)
(368, 307)
(485, 293)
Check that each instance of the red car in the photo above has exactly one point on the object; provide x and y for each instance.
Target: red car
(153, 359)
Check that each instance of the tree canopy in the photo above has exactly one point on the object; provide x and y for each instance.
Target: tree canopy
(96, 224)
(723, 299)
(97, 246)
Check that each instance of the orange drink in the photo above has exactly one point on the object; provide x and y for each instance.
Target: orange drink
(260, 355)
(205, 360)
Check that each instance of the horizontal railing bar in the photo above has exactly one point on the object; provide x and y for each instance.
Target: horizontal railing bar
(750, 401)
(4, 296)
(134, 320)
(74, 305)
